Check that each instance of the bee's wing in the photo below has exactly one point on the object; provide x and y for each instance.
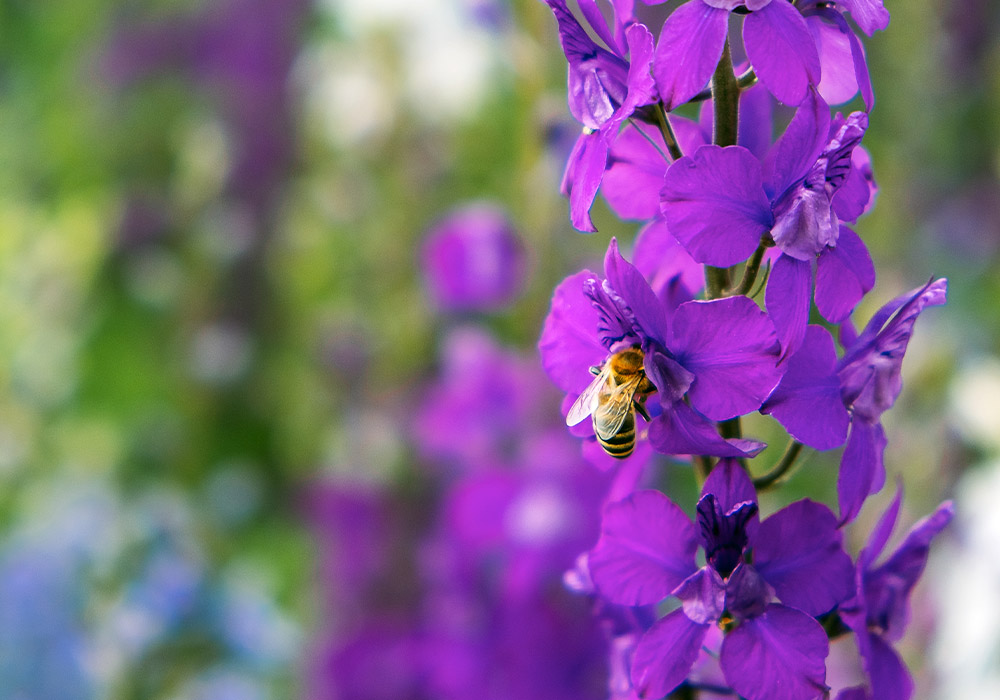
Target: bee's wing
(609, 416)
(586, 403)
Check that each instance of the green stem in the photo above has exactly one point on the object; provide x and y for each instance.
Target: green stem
(753, 266)
(726, 101)
(781, 468)
(746, 80)
(668, 133)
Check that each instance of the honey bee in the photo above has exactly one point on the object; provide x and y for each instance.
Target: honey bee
(612, 399)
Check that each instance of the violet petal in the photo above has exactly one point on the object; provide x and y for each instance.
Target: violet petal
(680, 430)
(807, 401)
(729, 344)
(788, 298)
(645, 551)
(861, 469)
(799, 551)
(689, 48)
(777, 656)
(714, 204)
(665, 654)
(782, 51)
(844, 274)
(569, 344)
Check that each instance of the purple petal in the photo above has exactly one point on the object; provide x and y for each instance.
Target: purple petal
(645, 551)
(723, 534)
(861, 71)
(714, 204)
(596, 20)
(670, 378)
(702, 595)
(788, 297)
(804, 222)
(473, 259)
(747, 593)
(861, 469)
(777, 656)
(880, 535)
(839, 82)
(730, 484)
(672, 274)
(680, 430)
(569, 345)
(844, 274)
(582, 177)
(755, 120)
(854, 693)
(689, 48)
(888, 587)
(665, 654)
(641, 86)
(857, 194)
(635, 172)
(889, 676)
(795, 153)
(729, 344)
(650, 316)
(807, 401)
(870, 371)
(782, 51)
(597, 79)
(799, 551)
(870, 15)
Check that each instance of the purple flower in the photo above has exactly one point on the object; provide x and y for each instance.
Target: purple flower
(879, 611)
(819, 396)
(708, 360)
(485, 401)
(605, 88)
(721, 201)
(777, 40)
(473, 259)
(646, 552)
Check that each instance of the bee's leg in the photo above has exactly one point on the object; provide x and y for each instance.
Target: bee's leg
(640, 408)
(595, 370)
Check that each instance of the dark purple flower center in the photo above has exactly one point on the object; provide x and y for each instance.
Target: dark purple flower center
(724, 535)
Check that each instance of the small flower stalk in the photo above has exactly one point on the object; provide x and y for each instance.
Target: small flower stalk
(738, 297)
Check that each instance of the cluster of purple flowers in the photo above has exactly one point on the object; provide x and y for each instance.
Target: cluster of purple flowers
(667, 352)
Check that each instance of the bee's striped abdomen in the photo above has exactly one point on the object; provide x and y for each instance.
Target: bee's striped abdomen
(622, 443)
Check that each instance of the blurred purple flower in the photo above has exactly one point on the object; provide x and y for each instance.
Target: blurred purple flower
(473, 260)
(646, 552)
(485, 400)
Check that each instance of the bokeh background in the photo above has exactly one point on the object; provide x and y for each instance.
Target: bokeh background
(243, 428)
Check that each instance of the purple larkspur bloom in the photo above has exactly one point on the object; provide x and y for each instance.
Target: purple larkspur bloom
(879, 611)
(820, 397)
(484, 400)
(719, 202)
(606, 85)
(646, 553)
(775, 35)
(473, 259)
(709, 360)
